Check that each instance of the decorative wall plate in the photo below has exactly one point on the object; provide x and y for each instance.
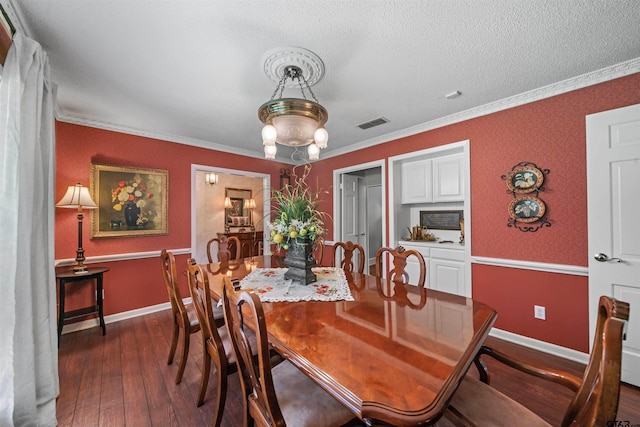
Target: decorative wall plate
(526, 209)
(524, 179)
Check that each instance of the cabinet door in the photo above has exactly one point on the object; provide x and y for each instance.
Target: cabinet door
(413, 270)
(448, 178)
(417, 182)
(447, 276)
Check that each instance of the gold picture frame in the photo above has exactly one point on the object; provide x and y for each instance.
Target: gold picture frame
(131, 201)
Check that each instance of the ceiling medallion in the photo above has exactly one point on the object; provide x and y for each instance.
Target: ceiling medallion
(295, 122)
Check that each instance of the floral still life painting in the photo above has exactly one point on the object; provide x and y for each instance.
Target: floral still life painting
(131, 201)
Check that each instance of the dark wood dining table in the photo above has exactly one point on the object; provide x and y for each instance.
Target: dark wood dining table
(395, 355)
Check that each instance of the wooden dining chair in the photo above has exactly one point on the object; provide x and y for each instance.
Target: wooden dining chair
(275, 396)
(226, 246)
(318, 250)
(216, 347)
(398, 272)
(184, 315)
(597, 392)
(348, 249)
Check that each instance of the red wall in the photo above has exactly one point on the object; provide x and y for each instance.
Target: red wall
(549, 133)
(136, 283)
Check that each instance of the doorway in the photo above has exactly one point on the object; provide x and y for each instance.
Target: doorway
(359, 207)
(207, 203)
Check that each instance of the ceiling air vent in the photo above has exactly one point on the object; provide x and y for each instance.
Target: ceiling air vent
(375, 122)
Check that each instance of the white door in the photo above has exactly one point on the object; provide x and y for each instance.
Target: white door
(350, 214)
(613, 174)
(374, 224)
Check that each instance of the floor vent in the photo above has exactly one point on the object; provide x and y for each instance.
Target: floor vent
(375, 122)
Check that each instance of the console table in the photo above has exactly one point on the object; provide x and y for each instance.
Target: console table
(249, 243)
(65, 277)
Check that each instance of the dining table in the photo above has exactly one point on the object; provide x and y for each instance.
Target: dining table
(394, 354)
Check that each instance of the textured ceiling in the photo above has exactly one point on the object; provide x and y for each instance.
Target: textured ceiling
(192, 71)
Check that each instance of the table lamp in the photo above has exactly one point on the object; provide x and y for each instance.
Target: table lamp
(78, 197)
(227, 205)
(251, 205)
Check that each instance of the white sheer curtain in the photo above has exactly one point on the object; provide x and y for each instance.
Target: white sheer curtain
(28, 340)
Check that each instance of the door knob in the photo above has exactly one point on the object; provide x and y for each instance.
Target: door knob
(604, 258)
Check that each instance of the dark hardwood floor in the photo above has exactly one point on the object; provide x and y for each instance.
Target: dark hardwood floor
(123, 379)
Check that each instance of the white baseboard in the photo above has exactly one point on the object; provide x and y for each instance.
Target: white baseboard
(92, 323)
(556, 350)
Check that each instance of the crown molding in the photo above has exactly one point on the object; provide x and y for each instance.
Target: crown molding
(589, 79)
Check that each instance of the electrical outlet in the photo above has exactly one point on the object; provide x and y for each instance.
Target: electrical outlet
(539, 312)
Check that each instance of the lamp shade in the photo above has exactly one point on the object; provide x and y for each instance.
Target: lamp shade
(250, 203)
(77, 196)
(227, 203)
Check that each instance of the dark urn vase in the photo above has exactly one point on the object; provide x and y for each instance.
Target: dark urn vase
(131, 212)
(300, 260)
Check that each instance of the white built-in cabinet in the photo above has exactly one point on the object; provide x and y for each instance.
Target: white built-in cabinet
(417, 181)
(445, 267)
(433, 179)
(440, 179)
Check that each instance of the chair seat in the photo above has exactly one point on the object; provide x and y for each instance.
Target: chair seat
(228, 347)
(486, 406)
(301, 400)
(194, 324)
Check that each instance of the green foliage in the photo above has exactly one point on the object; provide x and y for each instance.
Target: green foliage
(297, 214)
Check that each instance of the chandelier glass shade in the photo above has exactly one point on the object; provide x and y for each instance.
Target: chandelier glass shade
(293, 122)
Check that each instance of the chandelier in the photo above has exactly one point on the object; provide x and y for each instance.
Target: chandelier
(294, 122)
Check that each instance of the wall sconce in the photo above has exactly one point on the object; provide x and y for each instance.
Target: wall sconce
(211, 178)
(78, 197)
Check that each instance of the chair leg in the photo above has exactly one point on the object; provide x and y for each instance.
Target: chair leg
(222, 393)
(206, 369)
(174, 341)
(185, 354)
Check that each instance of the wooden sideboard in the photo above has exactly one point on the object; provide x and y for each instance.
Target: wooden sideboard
(250, 243)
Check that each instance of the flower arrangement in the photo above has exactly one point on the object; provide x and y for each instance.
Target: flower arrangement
(296, 214)
(133, 191)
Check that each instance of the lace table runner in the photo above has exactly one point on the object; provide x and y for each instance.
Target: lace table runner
(270, 285)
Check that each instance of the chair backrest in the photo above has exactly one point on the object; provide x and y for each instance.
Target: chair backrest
(256, 378)
(348, 249)
(201, 297)
(318, 250)
(398, 272)
(168, 263)
(225, 246)
(596, 402)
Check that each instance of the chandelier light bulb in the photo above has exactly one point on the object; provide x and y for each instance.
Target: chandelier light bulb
(321, 136)
(270, 151)
(269, 135)
(314, 151)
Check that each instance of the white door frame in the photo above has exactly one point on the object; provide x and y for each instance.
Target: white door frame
(266, 185)
(337, 220)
